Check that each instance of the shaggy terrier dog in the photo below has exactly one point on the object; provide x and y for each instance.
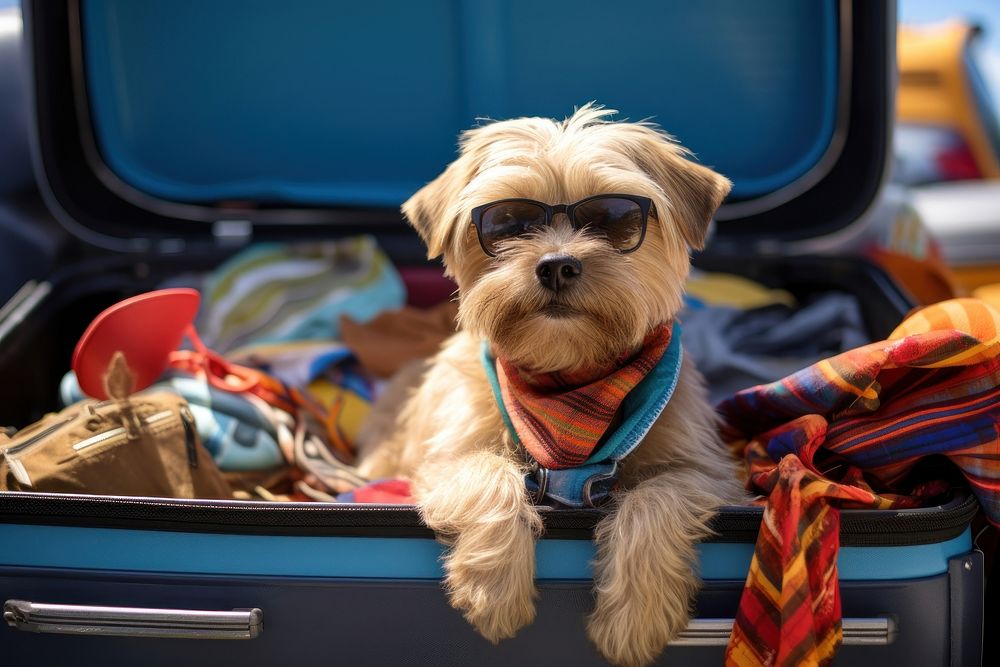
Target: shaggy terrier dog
(569, 242)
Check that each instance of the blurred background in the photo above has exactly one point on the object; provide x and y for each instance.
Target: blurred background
(947, 140)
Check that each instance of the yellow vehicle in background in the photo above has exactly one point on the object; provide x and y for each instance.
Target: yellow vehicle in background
(948, 130)
(948, 120)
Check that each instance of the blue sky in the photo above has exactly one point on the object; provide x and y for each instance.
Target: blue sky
(984, 12)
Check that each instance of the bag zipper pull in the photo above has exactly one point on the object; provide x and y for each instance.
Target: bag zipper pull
(17, 469)
(190, 440)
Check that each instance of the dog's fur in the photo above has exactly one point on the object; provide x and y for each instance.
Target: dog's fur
(467, 473)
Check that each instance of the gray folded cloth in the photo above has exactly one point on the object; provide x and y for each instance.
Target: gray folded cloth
(735, 349)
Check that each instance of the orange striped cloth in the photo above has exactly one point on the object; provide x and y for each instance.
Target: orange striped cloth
(559, 417)
(849, 432)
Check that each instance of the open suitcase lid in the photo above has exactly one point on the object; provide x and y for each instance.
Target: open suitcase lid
(161, 123)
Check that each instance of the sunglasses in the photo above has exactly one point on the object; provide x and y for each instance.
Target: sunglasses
(621, 219)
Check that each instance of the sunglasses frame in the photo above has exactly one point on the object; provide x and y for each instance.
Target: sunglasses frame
(645, 206)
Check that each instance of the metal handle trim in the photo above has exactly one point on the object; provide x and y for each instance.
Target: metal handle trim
(133, 621)
(857, 632)
(248, 623)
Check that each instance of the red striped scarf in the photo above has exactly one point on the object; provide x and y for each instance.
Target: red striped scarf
(561, 417)
(848, 432)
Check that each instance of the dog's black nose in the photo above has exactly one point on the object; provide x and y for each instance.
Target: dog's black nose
(555, 271)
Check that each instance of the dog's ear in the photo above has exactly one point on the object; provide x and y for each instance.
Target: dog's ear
(693, 192)
(432, 210)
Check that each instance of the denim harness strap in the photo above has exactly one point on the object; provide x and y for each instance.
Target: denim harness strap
(588, 484)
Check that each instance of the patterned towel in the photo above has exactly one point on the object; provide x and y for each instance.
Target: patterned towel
(850, 432)
(287, 292)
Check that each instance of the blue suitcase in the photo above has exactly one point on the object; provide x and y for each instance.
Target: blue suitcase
(169, 134)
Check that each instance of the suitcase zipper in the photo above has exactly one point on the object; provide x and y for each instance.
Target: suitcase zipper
(115, 432)
(871, 528)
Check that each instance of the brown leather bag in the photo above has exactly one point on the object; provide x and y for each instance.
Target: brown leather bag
(139, 445)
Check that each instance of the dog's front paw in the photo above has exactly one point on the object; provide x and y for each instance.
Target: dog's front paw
(497, 600)
(632, 630)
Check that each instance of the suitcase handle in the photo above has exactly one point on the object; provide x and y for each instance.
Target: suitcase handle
(857, 632)
(248, 623)
(133, 621)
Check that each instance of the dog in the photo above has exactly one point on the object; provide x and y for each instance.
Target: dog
(562, 281)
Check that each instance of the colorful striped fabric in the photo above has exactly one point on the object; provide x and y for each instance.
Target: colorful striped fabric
(276, 292)
(857, 430)
(560, 418)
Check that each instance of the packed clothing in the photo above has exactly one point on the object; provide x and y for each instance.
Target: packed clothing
(856, 431)
(310, 334)
(267, 396)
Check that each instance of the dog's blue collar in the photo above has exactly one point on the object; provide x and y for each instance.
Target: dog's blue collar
(588, 484)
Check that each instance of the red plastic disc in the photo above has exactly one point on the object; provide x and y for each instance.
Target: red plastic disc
(145, 328)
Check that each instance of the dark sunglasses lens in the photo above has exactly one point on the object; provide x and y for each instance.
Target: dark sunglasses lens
(507, 220)
(619, 220)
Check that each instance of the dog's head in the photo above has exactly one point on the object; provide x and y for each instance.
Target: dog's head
(561, 296)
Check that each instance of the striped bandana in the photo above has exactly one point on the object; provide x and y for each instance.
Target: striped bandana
(847, 432)
(560, 418)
